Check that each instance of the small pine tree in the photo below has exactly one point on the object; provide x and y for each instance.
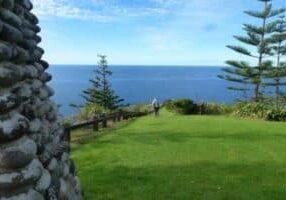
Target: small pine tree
(101, 93)
(246, 76)
(278, 72)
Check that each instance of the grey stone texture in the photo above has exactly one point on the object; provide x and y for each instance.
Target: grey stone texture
(34, 157)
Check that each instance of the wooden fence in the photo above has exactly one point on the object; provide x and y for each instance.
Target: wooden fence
(103, 121)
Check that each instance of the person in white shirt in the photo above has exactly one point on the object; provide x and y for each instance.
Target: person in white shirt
(156, 106)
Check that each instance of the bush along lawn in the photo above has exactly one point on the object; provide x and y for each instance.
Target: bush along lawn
(185, 157)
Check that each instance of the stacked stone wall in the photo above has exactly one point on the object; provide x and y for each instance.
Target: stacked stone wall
(34, 157)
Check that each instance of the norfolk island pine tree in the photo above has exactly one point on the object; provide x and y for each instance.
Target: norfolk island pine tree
(247, 77)
(276, 73)
(100, 93)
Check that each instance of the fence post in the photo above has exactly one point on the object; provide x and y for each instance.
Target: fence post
(114, 118)
(67, 136)
(95, 124)
(119, 116)
(104, 121)
(127, 116)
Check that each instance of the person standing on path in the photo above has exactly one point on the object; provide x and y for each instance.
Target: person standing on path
(156, 106)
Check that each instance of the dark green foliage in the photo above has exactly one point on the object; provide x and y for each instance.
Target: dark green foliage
(182, 106)
(187, 107)
(254, 110)
(88, 111)
(101, 93)
(276, 74)
(276, 115)
(139, 108)
(216, 109)
(248, 78)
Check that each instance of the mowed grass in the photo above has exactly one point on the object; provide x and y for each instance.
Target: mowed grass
(185, 158)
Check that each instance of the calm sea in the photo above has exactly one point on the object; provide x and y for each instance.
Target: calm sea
(139, 84)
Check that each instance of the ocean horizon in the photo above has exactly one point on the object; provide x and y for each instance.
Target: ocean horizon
(136, 65)
(141, 83)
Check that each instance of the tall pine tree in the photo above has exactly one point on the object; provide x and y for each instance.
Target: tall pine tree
(248, 77)
(278, 72)
(101, 93)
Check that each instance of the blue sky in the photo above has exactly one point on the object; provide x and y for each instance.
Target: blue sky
(146, 32)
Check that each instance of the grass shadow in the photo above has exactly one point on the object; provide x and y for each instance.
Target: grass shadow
(87, 135)
(201, 180)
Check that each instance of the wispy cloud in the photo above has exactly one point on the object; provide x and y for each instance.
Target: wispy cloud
(119, 10)
(143, 28)
(168, 3)
(100, 11)
(162, 39)
(63, 8)
(190, 20)
(162, 42)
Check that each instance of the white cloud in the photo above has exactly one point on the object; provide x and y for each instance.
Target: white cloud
(160, 39)
(99, 11)
(161, 42)
(63, 8)
(116, 10)
(190, 20)
(168, 3)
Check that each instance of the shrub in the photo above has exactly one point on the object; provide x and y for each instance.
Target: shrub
(187, 106)
(139, 108)
(275, 115)
(216, 109)
(259, 111)
(250, 110)
(88, 111)
(67, 122)
(181, 106)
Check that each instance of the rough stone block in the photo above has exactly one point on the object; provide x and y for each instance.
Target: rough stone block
(9, 4)
(9, 17)
(22, 177)
(8, 101)
(17, 154)
(10, 33)
(13, 127)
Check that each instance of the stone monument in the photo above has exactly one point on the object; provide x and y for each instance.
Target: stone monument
(34, 155)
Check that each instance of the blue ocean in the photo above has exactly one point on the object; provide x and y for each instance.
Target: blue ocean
(140, 84)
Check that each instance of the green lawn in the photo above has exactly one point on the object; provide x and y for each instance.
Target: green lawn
(184, 158)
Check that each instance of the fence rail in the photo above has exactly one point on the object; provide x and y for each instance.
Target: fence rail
(103, 121)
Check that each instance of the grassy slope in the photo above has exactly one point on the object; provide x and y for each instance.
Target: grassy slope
(186, 157)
